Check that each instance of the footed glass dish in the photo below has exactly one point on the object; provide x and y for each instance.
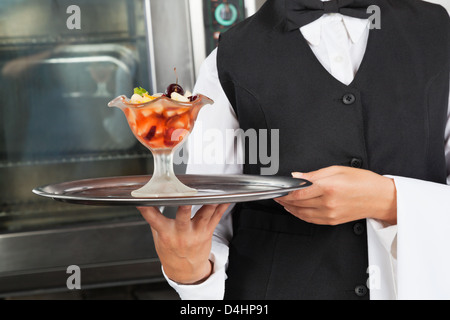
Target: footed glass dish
(162, 125)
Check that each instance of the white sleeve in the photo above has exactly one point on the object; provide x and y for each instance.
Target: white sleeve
(210, 152)
(411, 260)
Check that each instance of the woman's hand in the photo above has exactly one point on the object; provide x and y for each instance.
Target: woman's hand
(342, 194)
(184, 244)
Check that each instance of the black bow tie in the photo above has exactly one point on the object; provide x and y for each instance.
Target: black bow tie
(302, 12)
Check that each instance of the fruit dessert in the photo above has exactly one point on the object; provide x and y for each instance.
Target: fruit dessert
(161, 122)
(164, 122)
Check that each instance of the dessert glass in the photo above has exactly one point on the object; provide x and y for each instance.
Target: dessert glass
(162, 125)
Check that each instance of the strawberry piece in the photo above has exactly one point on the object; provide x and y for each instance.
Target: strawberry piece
(151, 133)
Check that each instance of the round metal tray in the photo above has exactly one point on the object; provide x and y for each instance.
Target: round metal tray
(212, 189)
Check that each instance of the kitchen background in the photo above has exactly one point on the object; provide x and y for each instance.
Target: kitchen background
(55, 83)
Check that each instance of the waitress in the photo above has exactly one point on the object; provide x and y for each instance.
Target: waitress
(363, 114)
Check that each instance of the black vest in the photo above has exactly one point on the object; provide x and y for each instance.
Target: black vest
(390, 119)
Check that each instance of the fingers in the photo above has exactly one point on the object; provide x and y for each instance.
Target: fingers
(159, 222)
(317, 188)
(309, 215)
(309, 203)
(154, 217)
(311, 192)
(218, 214)
(318, 174)
(208, 216)
(183, 216)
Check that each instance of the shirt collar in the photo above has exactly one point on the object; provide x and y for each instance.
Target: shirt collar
(354, 26)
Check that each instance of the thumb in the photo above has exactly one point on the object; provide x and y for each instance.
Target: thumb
(298, 175)
(304, 175)
(313, 175)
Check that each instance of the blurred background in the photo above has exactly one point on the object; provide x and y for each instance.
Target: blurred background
(55, 83)
(56, 78)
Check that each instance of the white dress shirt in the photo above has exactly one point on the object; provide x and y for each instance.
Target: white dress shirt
(410, 260)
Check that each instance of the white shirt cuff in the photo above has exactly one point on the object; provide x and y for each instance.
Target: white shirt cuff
(386, 234)
(414, 250)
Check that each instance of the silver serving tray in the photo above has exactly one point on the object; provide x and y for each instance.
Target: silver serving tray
(212, 189)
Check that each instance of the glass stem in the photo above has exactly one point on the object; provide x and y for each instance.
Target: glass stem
(163, 164)
(164, 182)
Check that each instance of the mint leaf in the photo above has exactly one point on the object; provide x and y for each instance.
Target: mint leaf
(140, 91)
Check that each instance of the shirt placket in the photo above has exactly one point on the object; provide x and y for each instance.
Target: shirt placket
(336, 39)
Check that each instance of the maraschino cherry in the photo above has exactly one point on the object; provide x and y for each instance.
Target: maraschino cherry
(174, 87)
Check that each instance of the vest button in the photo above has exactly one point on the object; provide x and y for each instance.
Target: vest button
(356, 163)
(358, 228)
(348, 99)
(361, 291)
